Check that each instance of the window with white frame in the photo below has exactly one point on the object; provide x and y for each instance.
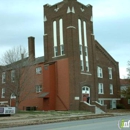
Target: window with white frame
(87, 66)
(55, 51)
(82, 65)
(12, 96)
(62, 49)
(80, 31)
(3, 77)
(100, 88)
(128, 101)
(61, 31)
(81, 58)
(111, 88)
(55, 38)
(38, 70)
(55, 33)
(85, 32)
(99, 72)
(38, 88)
(61, 36)
(80, 48)
(101, 102)
(86, 51)
(12, 75)
(110, 72)
(86, 90)
(3, 93)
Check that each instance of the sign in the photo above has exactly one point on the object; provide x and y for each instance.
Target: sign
(1, 110)
(7, 110)
(76, 98)
(123, 124)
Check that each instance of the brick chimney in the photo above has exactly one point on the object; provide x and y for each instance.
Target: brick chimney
(31, 48)
(22, 56)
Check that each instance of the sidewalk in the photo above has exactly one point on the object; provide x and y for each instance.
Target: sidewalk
(31, 119)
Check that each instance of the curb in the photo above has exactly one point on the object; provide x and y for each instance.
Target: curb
(37, 121)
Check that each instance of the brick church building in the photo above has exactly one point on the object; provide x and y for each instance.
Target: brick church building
(76, 72)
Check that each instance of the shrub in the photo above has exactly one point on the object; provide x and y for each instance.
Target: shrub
(120, 106)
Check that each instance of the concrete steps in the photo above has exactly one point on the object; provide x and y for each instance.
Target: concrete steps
(92, 107)
(98, 110)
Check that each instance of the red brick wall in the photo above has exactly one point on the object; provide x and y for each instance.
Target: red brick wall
(38, 102)
(104, 60)
(33, 98)
(62, 97)
(49, 79)
(124, 102)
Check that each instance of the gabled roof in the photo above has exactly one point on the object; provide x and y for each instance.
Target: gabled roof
(105, 52)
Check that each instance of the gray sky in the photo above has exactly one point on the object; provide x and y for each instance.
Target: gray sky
(20, 19)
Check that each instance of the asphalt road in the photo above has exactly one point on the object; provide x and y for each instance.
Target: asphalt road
(109, 123)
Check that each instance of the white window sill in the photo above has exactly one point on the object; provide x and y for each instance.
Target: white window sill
(38, 92)
(100, 77)
(85, 73)
(58, 56)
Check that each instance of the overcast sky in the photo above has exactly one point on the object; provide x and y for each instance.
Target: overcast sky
(20, 19)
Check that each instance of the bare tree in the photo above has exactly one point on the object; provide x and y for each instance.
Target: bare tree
(17, 75)
(128, 70)
(125, 92)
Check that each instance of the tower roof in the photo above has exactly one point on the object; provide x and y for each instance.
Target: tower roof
(69, 0)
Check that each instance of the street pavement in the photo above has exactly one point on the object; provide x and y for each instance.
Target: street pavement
(108, 123)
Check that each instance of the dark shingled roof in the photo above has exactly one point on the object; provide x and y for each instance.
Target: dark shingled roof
(39, 60)
(23, 62)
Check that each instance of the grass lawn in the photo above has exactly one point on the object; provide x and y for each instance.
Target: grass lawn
(55, 112)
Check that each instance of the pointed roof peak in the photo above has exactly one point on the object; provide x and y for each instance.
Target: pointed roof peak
(69, 0)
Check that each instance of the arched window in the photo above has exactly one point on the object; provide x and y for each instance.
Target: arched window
(12, 96)
(85, 90)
